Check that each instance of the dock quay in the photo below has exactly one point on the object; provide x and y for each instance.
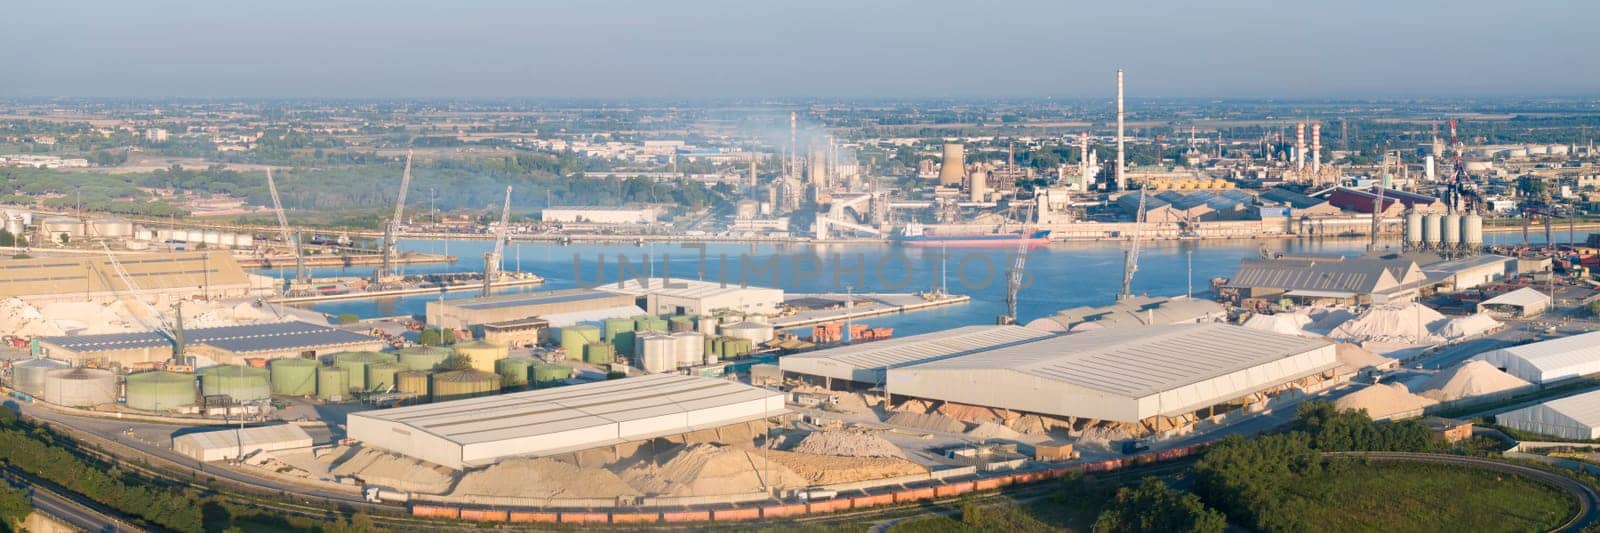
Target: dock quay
(866, 305)
(366, 295)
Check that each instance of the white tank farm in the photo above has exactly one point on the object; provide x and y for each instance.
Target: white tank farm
(754, 332)
(1431, 233)
(1472, 230)
(80, 387)
(14, 224)
(58, 225)
(23, 215)
(111, 227)
(1452, 230)
(657, 353)
(691, 347)
(1414, 228)
(707, 325)
(244, 240)
(28, 376)
(211, 237)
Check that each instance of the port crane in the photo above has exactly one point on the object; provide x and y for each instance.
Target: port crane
(290, 238)
(1130, 258)
(491, 260)
(173, 330)
(392, 229)
(1014, 276)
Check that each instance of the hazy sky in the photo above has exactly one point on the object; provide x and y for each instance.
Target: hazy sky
(763, 48)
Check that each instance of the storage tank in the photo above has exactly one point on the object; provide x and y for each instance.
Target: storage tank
(615, 326)
(242, 383)
(547, 375)
(211, 237)
(573, 339)
(691, 348)
(14, 225)
(711, 358)
(160, 390)
(226, 239)
(706, 325)
(658, 353)
(333, 383)
(459, 384)
(650, 323)
(1414, 229)
(1472, 230)
(482, 353)
(80, 387)
(625, 342)
(513, 371)
(412, 382)
(1452, 230)
(599, 353)
(423, 357)
(56, 225)
(382, 376)
(111, 227)
(293, 376)
(28, 376)
(356, 364)
(680, 323)
(137, 246)
(756, 332)
(1431, 233)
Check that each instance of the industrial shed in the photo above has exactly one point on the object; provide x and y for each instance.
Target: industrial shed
(1549, 361)
(1574, 417)
(868, 363)
(1122, 375)
(1335, 279)
(1134, 311)
(165, 276)
(1521, 303)
(691, 297)
(226, 344)
(1469, 272)
(478, 431)
(222, 444)
(463, 314)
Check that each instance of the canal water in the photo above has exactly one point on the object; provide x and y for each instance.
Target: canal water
(1060, 276)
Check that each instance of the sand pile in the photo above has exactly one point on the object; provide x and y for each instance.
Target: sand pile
(913, 406)
(1285, 323)
(388, 470)
(1102, 438)
(1383, 401)
(543, 479)
(706, 470)
(1037, 425)
(857, 403)
(991, 430)
(1356, 358)
(848, 444)
(973, 414)
(1469, 379)
(1407, 323)
(23, 320)
(1324, 320)
(1468, 326)
(927, 422)
(828, 470)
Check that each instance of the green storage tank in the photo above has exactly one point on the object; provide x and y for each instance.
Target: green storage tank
(242, 383)
(294, 376)
(616, 326)
(711, 346)
(424, 358)
(513, 371)
(599, 353)
(625, 342)
(413, 382)
(356, 363)
(574, 338)
(546, 375)
(650, 323)
(161, 390)
(482, 353)
(677, 323)
(381, 376)
(459, 384)
(333, 383)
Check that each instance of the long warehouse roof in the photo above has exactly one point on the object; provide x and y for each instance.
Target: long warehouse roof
(867, 362)
(245, 338)
(681, 288)
(534, 299)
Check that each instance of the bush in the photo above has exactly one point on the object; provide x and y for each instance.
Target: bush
(1154, 507)
(436, 337)
(348, 318)
(456, 362)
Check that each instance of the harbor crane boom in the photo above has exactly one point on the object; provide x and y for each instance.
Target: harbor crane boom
(173, 332)
(1014, 277)
(491, 260)
(290, 238)
(1130, 262)
(392, 230)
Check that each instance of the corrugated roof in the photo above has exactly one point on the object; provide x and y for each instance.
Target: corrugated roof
(1466, 263)
(1137, 362)
(245, 338)
(1139, 311)
(1552, 357)
(681, 288)
(915, 349)
(1522, 297)
(534, 299)
(1581, 408)
(1361, 276)
(274, 436)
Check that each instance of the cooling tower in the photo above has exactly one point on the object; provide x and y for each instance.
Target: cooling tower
(952, 169)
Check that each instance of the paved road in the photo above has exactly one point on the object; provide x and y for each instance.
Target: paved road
(68, 507)
(1585, 496)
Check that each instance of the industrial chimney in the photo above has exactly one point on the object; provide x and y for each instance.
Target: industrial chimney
(1122, 182)
(1300, 147)
(1316, 148)
(953, 167)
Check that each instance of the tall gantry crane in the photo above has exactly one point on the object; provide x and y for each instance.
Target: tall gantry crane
(290, 238)
(392, 229)
(1014, 276)
(173, 331)
(1130, 258)
(491, 260)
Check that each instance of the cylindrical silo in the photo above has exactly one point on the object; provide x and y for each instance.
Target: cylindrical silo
(356, 364)
(241, 383)
(69, 226)
(160, 390)
(1414, 229)
(80, 387)
(333, 383)
(14, 225)
(574, 338)
(650, 323)
(547, 375)
(459, 384)
(756, 332)
(513, 370)
(680, 323)
(691, 348)
(294, 376)
(423, 357)
(111, 228)
(599, 353)
(706, 325)
(482, 353)
(412, 382)
(381, 377)
(1472, 230)
(657, 353)
(1451, 229)
(28, 376)
(211, 237)
(615, 326)
(1431, 232)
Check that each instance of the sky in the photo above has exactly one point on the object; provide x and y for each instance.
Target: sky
(798, 49)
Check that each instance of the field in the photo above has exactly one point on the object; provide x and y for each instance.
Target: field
(1421, 497)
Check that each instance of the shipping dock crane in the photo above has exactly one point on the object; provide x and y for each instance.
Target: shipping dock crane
(173, 330)
(491, 260)
(290, 238)
(1130, 258)
(392, 229)
(1014, 276)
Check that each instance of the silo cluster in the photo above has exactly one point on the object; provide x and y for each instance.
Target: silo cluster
(1444, 232)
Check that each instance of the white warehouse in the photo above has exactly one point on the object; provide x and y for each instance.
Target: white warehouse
(479, 431)
(216, 445)
(1123, 374)
(869, 363)
(598, 215)
(1549, 361)
(675, 296)
(1574, 417)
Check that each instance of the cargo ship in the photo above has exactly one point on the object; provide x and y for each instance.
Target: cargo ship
(914, 235)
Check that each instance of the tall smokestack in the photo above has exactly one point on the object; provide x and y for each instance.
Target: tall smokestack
(753, 160)
(1122, 182)
(1083, 158)
(794, 147)
(1316, 148)
(1300, 147)
(953, 168)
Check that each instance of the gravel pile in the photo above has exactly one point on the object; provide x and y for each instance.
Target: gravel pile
(927, 422)
(848, 444)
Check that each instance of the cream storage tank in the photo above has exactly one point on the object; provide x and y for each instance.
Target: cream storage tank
(160, 390)
(80, 387)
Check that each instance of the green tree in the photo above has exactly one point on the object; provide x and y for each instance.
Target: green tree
(1153, 507)
(7, 239)
(15, 505)
(456, 362)
(348, 318)
(65, 238)
(436, 337)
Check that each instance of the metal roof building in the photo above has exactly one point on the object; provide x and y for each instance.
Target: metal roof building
(1469, 272)
(222, 444)
(682, 296)
(479, 431)
(1124, 375)
(1358, 280)
(1521, 303)
(1574, 417)
(226, 344)
(869, 363)
(461, 314)
(92, 277)
(1134, 311)
(1549, 361)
